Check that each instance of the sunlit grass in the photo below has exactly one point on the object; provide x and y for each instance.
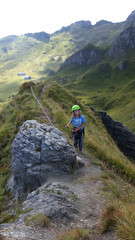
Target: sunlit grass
(40, 220)
(97, 142)
(75, 234)
(119, 214)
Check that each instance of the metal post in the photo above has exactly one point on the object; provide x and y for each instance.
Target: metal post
(36, 107)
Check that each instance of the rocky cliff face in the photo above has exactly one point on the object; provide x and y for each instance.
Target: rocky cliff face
(38, 151)
(124, 42)
(89, 55)
(124, 138)
(131, 20)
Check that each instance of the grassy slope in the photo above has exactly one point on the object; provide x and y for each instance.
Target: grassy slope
(38, 59)
(59, 102)
(97, 142)
(105, 87)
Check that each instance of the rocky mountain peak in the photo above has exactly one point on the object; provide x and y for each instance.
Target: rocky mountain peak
(73, 28)
(131, 19)
(102, 22)
(40, 36)
(85, 24)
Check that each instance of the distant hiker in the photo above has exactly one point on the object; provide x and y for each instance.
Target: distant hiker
(78, 123)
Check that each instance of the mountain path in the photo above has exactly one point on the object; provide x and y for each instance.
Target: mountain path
(87, 185)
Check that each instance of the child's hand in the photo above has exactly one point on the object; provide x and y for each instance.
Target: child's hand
(67, 126)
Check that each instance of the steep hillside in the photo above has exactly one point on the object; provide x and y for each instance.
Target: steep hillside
(104, 78)
(98, 145)
(58, 102)
(40, 54)
(105, 87)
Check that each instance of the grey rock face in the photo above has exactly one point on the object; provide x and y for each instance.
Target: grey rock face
(124, 138)
(90, 55)
(124, 42)
(37, 151)
(131, 20)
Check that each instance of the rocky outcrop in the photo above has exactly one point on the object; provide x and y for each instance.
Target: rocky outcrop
(124, 138)
(54, 200)
(89, 55)
(4, 49)
(38, 151)
(68, 201)
(40, 36)
(130, 22)
(73, 28)
(124, 42)
(103, 22)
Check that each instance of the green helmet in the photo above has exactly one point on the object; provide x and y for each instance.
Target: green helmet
(75, 107)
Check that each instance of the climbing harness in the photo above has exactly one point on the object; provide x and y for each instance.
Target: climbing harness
(71, 133)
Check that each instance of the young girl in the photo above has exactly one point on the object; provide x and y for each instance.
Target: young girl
(78, 123)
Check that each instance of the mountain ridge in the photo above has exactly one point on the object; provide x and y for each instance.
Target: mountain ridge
(108, 84)
(40, 55)
(84, 186)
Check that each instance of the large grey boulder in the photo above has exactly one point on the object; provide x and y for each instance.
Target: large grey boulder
(37, 152)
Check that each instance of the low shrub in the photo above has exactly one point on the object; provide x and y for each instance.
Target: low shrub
(26, 85)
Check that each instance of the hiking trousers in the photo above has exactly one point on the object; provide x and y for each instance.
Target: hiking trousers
(78, 139)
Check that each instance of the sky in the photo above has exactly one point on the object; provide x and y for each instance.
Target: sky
(18, 17)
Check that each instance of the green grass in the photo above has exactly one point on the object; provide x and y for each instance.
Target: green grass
(105, 87)
(119, 213)
(27, 54)
(40, 220)
(75, 234)
(97, 142)
(20, 108)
